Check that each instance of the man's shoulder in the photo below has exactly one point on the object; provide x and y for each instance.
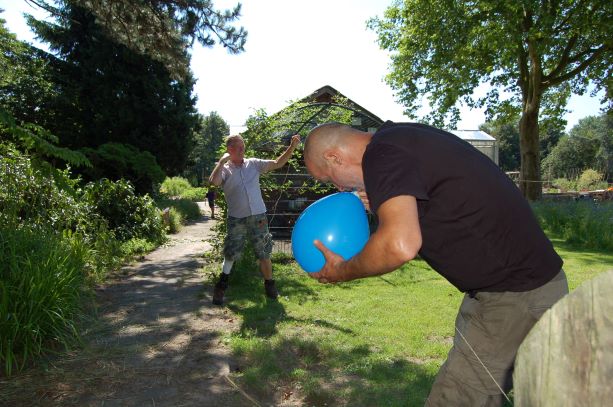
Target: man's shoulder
(258, 164)
(256, 159)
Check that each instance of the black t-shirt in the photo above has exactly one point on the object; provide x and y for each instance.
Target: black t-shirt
(477, 229)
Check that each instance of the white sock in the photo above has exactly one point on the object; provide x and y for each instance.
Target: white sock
(227, 266)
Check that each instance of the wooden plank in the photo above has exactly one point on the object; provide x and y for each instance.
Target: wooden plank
(567, 358)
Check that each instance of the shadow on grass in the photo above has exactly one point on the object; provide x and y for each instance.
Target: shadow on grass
(334, 377)
(275, 363)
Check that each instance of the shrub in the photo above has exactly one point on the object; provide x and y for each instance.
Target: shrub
(564, 184)
(175, 220)
(189, 210)
(36, 196)
(128, 215)
(194, 194)
(41, 281)
(591, 180)
(174, 186)
(31, 194)
(136, 246)
(125, 161)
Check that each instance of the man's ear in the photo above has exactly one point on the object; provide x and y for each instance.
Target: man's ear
(333, 157)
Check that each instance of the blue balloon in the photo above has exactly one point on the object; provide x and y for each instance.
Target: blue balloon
(339, 221)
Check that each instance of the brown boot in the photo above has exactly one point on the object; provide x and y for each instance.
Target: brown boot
(270, 289)
(220, 288)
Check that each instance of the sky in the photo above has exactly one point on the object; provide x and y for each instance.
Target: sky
(293, 48)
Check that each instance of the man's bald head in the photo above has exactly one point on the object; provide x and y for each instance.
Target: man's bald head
(322, 138)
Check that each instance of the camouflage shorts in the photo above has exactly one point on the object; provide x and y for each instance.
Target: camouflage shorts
(254, 228)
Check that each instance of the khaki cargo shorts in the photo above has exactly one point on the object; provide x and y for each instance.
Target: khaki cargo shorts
(254, 228)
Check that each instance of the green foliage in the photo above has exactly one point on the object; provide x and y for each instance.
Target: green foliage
(194, 194)
(208, 139)
(27, 88)
(30, 194)
(176, 220)
(591, 180)
(188, 209)
(585, 224)
(38, 141)
(123, 161)
(36, 196)
(136, 246)
(161, 29)
(444, 50)
(564, 184)
(128, 215)
(506, 132)
(589, 145)
(174, 214)
(41, 287)
(507, 135)
(531, 58)
(109, 94)
(56, 239)
(568, 158)
(174, 186)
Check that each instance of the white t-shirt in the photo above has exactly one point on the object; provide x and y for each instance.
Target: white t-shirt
(241, 186)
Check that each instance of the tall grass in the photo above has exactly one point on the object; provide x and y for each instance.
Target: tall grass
(583, 223)
(57, 237)
(41, 286)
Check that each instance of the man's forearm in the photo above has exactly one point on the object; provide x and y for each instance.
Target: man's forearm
(215, 177)
(378, 257)
(284, 158)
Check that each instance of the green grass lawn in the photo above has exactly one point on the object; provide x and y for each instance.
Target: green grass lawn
(372, 342)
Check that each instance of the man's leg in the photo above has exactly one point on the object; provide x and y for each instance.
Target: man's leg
(489, 330)
(269, 284)
(233, 247)
(262, 244)
(222, 283)
(266, 268)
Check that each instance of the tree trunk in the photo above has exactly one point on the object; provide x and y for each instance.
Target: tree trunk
(530, 171)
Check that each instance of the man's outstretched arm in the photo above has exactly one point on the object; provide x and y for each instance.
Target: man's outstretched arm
(284, 158)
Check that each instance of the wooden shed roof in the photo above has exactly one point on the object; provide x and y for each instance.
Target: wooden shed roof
(327, 93)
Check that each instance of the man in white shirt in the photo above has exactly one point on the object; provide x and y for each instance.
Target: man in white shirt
(240, 179)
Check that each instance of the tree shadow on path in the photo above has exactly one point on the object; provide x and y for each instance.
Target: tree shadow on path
(156, 341)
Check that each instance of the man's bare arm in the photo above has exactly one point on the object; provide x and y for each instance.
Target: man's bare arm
(396, 241)
(284, 158)
(215, 177)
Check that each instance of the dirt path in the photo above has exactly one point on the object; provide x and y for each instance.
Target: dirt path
(158, 341)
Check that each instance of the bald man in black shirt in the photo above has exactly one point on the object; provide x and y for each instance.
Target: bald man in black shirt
(437, 196)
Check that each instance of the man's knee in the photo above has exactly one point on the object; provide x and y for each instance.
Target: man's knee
(262, 243)
(459, 384)
(233, 248)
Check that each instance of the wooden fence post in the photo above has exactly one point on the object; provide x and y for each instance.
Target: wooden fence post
(567, 358)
